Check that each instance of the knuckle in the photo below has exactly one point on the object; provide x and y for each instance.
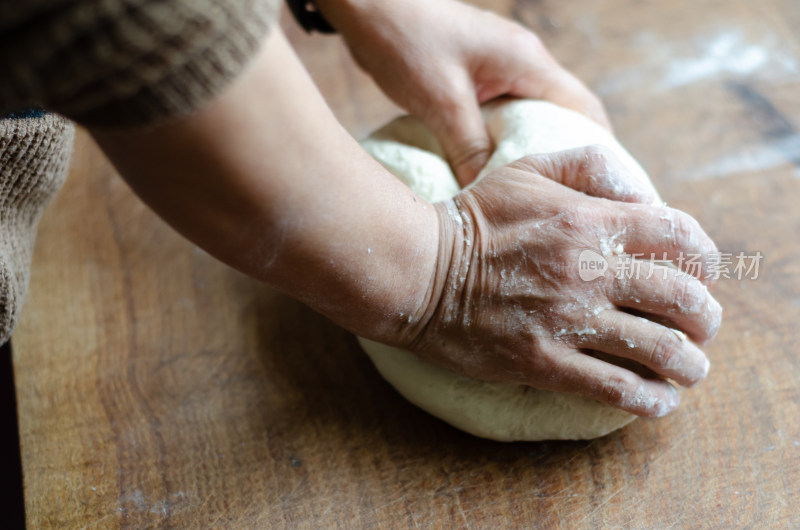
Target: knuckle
(626, 216)
(687, 294)
(593, 162)
(685, 231)
(597, 154)
(576, 220)
(616, 389)
(684, 226)
(596, 216)
(635, 215)
(467, 152)
(665, 351)
(526, 40)
(597, 162)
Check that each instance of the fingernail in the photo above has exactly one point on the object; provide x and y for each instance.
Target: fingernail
(702, 372)
(670, 403)
(674, 399)
(715, 318)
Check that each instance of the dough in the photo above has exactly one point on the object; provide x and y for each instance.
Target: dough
(504, 412)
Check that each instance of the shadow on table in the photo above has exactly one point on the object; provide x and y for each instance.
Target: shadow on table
(12, 505)
(332, 396)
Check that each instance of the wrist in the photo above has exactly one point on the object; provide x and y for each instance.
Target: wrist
(444, 300)
(409, 270)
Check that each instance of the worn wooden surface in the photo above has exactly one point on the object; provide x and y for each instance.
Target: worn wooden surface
(158, 388)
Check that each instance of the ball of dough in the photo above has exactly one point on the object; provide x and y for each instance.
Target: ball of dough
(504, 412)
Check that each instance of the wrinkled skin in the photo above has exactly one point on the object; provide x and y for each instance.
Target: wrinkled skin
(509, 304)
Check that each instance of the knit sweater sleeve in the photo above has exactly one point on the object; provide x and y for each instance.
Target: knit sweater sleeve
(118, 63)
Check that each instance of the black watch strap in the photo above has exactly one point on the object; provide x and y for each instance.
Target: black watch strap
(309, 18)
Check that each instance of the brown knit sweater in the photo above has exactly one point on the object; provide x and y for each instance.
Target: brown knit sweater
(112, 63)
(124, 62)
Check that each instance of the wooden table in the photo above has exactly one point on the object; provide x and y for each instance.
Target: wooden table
(158, 388)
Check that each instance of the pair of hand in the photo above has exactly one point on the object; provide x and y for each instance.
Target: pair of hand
(506, 302)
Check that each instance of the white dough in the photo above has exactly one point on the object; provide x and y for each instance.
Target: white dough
(504, 412)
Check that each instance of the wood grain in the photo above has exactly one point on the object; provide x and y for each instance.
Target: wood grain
(158, 388)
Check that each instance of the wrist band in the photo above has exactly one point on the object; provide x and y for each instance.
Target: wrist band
(309, 17)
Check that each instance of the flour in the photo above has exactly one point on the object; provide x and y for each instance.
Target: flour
(499, 411)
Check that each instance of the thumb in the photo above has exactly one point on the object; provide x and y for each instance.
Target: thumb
(460, 129)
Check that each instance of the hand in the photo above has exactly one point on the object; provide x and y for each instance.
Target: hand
(440, 60)
(507, 302)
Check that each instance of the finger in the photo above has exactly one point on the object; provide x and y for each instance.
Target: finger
(459, 127)
(592, 169)
(610, 384)
(669, 293)
(665, 351)
(573, 94)
(559, 86)
(669, 235)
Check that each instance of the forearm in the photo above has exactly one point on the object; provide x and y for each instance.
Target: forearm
(266, 180)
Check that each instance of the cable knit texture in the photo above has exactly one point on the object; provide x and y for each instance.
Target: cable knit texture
(34, 159)
(119, 63)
